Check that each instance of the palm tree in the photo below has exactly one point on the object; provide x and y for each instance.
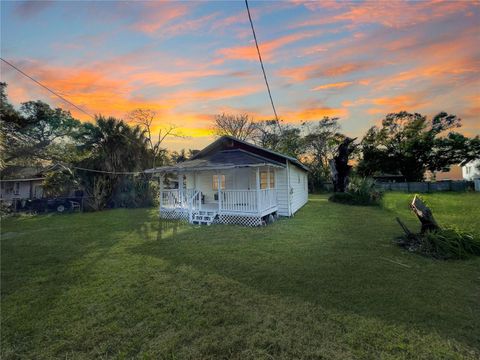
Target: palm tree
(113, 146)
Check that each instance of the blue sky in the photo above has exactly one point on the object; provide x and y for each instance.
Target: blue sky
(191, 60)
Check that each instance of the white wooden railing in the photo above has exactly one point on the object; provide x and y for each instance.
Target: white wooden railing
(268, 199)
(238, 201)
(174, 198)
(194, 203)
(235, 201)
(248, 201)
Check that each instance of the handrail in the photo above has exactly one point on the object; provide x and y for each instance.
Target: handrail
(194, 202)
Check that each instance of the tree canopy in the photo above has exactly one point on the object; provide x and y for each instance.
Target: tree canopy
(410, 144)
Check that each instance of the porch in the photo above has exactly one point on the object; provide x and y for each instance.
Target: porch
(204, 197)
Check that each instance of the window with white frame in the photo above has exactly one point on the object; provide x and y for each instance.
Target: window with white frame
(215, 182)
(264, 179)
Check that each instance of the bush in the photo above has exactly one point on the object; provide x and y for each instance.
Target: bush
(449, 243)
(360, 191)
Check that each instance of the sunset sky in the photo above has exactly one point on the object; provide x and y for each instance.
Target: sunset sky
(191, 60)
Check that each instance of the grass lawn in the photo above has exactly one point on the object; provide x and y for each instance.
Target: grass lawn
(328, 283)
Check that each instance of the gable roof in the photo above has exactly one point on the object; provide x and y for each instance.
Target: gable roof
(230, 142)
(223, 159)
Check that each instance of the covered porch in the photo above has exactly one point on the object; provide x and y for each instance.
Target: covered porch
(205, 193)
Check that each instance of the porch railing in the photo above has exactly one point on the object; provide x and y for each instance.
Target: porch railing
(238, 201)
(268, 199)
(235, 201)
(194, 203)
(248, 201)
(174, 198)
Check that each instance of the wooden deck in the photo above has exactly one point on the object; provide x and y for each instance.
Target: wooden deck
(188, 203)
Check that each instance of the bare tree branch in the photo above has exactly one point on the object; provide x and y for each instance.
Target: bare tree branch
(240, 126)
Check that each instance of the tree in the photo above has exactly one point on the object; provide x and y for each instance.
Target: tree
(146, 118)
(321, 140)
(36, 133)
(240, 126)
(340, 168)
(114, 148)
(410, 144)
(280, 137)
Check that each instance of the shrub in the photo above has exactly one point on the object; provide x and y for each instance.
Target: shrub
(360, 191)
(449, 243)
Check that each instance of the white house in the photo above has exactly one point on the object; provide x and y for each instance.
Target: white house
(19, 182)
(471, 170)
(235, 182)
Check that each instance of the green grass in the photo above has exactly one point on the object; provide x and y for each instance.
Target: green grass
(328, 283)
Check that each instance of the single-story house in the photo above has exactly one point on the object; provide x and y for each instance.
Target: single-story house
(21, 182)
(235, 182)
(471, 170)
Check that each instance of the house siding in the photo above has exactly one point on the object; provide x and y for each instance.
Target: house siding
(282, 192)
(299, 186)
(26, 190)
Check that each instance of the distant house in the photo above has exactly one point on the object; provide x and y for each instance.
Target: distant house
(471, 170)
(21, 182)
(232, 181)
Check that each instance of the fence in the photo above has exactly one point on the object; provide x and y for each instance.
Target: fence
(426, 186)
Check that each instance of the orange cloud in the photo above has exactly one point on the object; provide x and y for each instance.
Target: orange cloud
(312, 71)
(393, 14)
(216, 94)
(338, 85)
(267, 48)
(313, 113)
(158, 15)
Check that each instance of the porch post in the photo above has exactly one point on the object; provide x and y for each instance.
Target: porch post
(219, 189)
(268, 177)
(180, 188)
(161, 194)
(257, 176)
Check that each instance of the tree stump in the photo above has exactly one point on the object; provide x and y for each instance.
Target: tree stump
(424, 214)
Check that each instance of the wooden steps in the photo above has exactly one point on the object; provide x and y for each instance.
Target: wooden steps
(203, 217)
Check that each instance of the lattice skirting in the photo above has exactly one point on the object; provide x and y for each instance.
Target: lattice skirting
(174, 214)
(239, 220)
(252, 221)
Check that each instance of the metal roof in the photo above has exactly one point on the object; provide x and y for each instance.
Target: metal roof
(220, 140)
(223, 159)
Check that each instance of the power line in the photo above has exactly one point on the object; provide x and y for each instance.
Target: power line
(108, 172)
(47, 88)
(261, 61)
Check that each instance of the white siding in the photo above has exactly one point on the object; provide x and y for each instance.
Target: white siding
(470, 170)
(282, 192)
(299, 188)
(20, 190)
(288, 200)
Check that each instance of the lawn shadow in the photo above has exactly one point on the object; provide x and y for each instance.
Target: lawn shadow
(294, 259)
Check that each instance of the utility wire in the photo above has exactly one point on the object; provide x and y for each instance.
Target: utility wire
(261, 61)
(108, 172)
(47, 88)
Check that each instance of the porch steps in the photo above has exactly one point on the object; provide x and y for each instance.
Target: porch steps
(203, 217)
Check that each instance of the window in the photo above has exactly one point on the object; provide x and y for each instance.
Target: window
(467, 170)
(16, 189)
(264, 179)
(215, 182)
